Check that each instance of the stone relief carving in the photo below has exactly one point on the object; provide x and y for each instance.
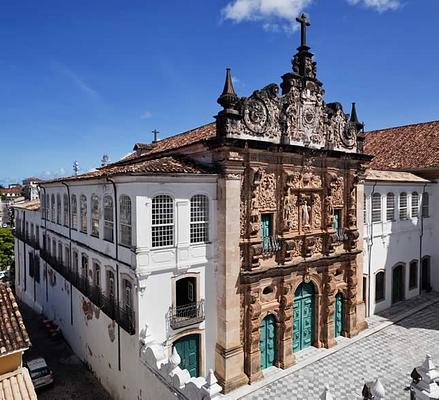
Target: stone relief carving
(317, 211)
(267, 191)
(299, 116)
(290, 214)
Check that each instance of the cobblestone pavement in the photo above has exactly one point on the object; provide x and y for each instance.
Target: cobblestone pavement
(390, 354)
(72, 380)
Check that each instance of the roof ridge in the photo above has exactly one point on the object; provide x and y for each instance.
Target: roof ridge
(402, 126)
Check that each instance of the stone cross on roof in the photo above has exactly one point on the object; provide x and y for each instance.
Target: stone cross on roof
(304, 22)
(155, 132)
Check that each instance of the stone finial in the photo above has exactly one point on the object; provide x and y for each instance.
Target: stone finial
(175, 359)
(228, 97)
(424, 384)
(367, 395)
(326, 395)
(354, 118)
(377, 390)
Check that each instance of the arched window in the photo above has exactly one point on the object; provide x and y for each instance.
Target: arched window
(413, 274)
(83, 213)
(415, 205)
(125, 220)
(66, 209)
(379, 286)
(376, 207)
(74, 206)
(58, 208)
(162, 221)
(199, 219)
(84, 266)
(52, 210)
(127, 296)
(95, 215)
(390, 207)
(403, 206)
(425, 205)
(96, 275)
(108, 219)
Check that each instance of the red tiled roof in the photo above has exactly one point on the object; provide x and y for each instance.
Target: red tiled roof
(195, 135)
(406, 147)
(161, 165)
(15, 189)
(13, 334)
(17, 385)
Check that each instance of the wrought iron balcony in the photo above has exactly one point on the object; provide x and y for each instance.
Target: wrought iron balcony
(188, 314)
(271, 244)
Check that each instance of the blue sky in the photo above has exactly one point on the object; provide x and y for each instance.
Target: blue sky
(82, 78)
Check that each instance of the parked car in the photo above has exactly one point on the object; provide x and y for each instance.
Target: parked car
(39, 371)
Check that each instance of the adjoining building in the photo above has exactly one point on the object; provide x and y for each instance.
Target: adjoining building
(400, 196)
(15, 382)
(230, 247)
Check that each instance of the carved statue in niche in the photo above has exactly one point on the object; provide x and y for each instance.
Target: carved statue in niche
(329, 212)
(306, 210)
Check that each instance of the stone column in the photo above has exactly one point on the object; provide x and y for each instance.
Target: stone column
(285, 348)
(229, 357)
(328, 310)
(361, 305)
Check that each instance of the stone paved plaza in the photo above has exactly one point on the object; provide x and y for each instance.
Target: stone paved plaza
(390, 354)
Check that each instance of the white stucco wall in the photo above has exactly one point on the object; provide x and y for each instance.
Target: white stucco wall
(388, 243)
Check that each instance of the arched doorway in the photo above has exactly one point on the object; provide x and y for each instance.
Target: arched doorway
(188, 348)
(338, 315)
(398, 283)
(425, 273)
(267, 341)
(303, 317)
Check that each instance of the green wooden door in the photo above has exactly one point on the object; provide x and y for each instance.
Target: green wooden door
(188, 350)
(303, 317)
(398, 284)
(267, 342)
(338, 314)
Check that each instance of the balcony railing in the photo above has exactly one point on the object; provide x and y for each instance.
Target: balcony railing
(30, 240)
(123, 315)
(271, 244)
(188, 314)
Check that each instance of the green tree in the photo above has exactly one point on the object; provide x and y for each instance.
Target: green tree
(6, 247)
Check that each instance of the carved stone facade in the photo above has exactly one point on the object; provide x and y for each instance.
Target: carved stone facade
(300, 159)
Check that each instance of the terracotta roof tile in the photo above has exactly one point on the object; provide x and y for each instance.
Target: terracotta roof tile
(393, 176)
(161, 165)
(13, 334)
(17, 385)
(33, 205)
(195, 135)
(406, 148)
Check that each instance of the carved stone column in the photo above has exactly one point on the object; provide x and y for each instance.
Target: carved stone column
(229, 357)
(252, 334)
(329, 309)
(286, 357)
(351, 301)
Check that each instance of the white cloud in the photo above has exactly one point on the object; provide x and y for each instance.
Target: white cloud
(276, 15)
(146, 115)
(380, 5)
(76, 79)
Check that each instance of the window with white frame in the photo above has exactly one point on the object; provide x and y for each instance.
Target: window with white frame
(125, 220)
(390, 207)
(376, 207)
(425, 205)
(94, 215)
(74, 206)
(162, 221)
(415, 205)
(52, 209)
(58, 208)
(403, 206)
(83, 213)
(66, 209)
(108, 219)
(199, 219)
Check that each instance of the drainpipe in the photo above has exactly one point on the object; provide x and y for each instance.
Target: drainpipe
(116, 243)
(70, 250)
(421, 237)
(369, 252)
